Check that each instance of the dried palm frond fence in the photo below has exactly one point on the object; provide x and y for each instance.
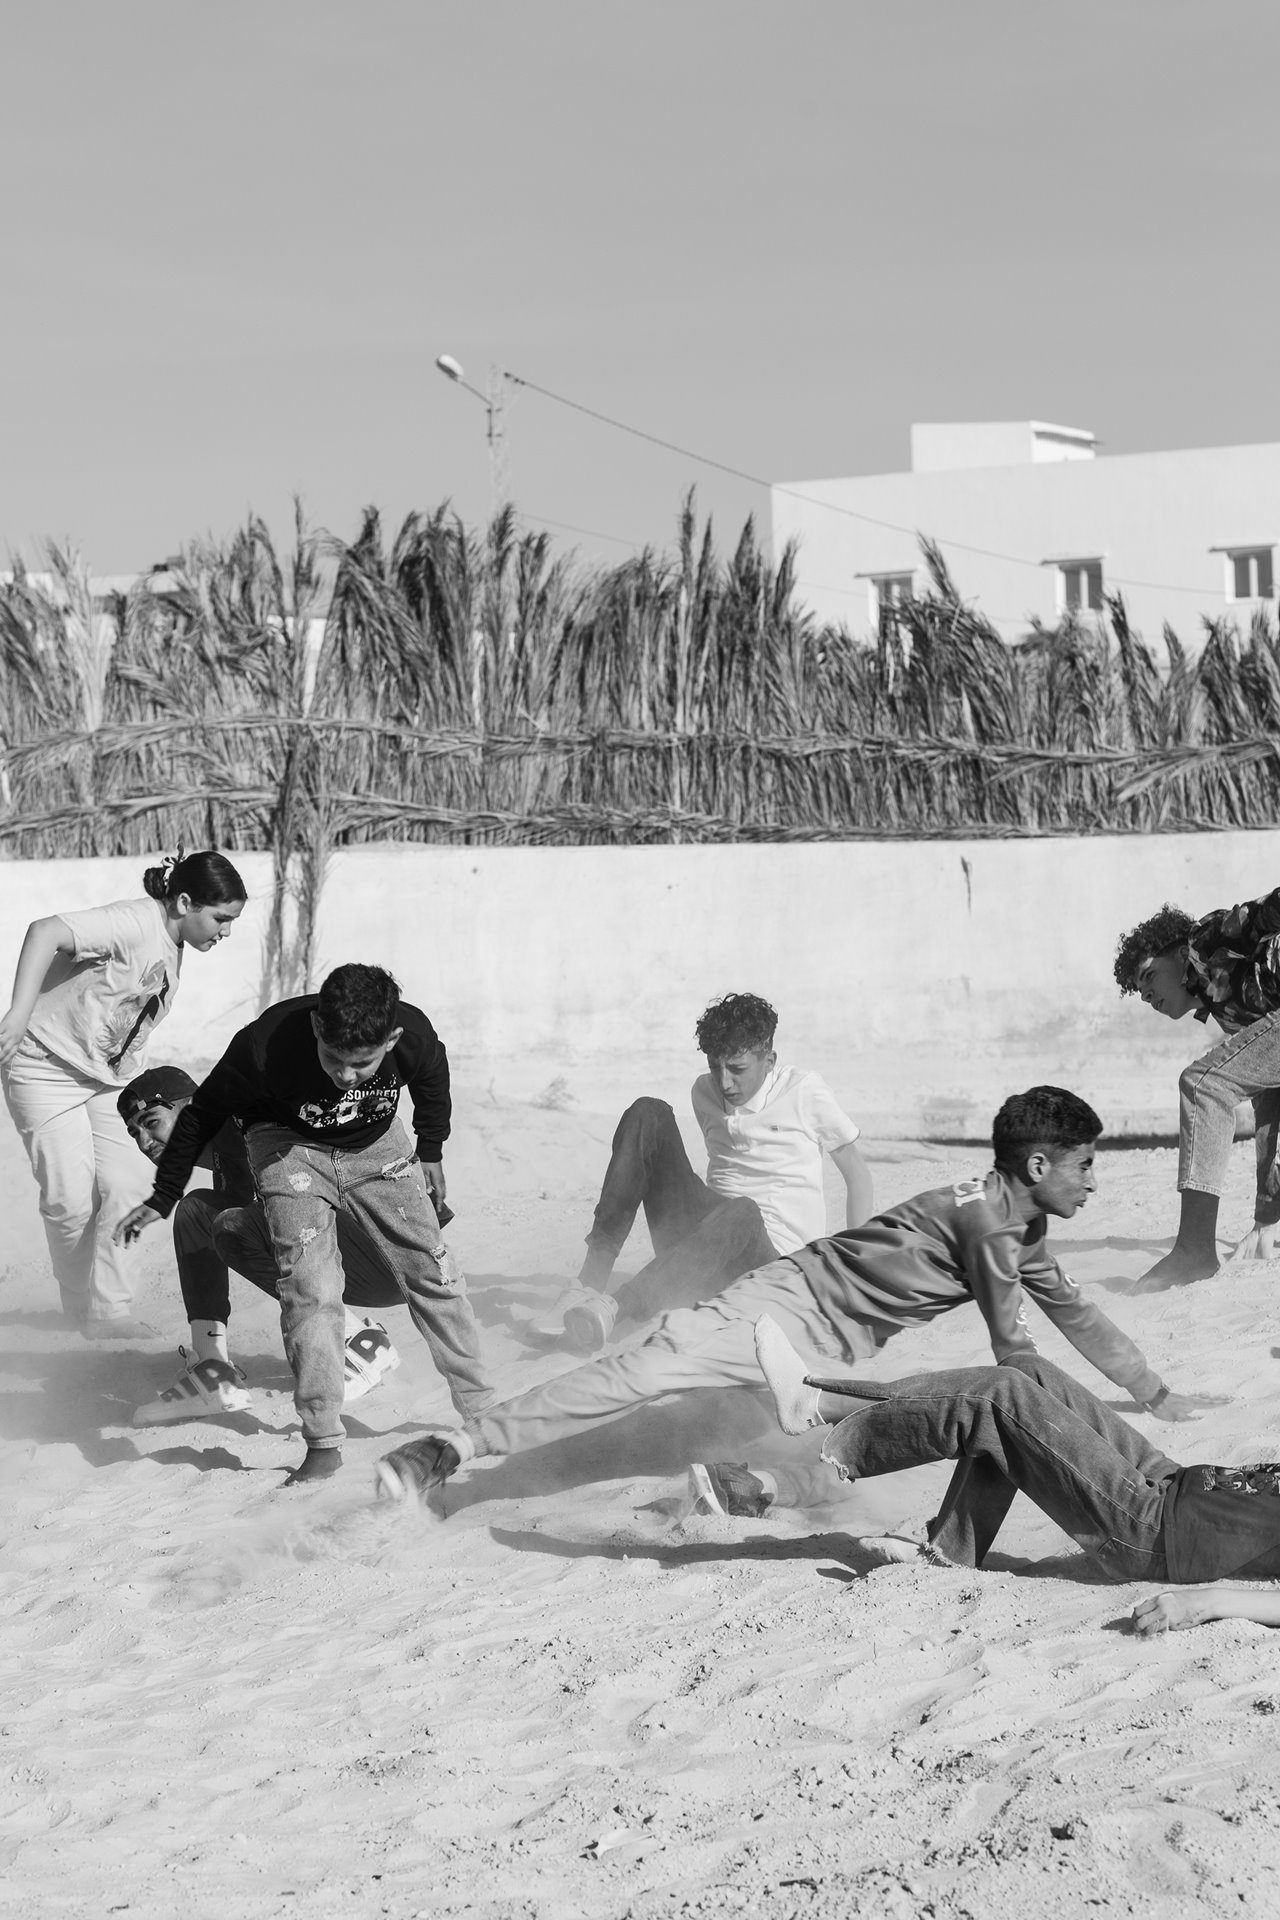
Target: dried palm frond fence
(474, 689)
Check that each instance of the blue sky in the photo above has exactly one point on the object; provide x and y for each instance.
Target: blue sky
(238, 235)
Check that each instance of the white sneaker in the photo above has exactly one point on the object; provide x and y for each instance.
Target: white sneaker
(370, 1356)
(205, 1389)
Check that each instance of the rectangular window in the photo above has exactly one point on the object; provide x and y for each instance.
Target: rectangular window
(1080, 586)
(889, 590)
(1250, 575)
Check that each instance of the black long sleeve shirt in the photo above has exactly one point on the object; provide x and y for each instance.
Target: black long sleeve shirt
(271, 1073)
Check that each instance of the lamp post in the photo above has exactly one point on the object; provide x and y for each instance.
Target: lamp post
(495, 405)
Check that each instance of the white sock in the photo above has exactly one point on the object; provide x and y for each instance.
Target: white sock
(209, 1340)
(461, 1442)
(795, 1403)
(895, 1546)
(354, 1321)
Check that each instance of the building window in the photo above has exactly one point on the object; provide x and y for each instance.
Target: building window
(1250, 575)
(1080, 586)
(888, 592)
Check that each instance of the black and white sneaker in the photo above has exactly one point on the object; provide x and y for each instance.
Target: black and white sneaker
(367, 1360)
(729, 1489)
(412, 1470)
(205, 1389)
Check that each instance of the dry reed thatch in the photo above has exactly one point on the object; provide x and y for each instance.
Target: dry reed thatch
(473, 687)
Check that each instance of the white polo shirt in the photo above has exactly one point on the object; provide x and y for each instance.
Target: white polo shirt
(770, 1149)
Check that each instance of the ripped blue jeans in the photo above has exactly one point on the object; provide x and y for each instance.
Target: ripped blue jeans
(382, 1188)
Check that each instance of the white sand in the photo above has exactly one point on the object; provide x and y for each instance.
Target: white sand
(572, 1697)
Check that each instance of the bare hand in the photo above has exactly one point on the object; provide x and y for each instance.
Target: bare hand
(12, 1028)
(134, 1224)
(1188, 1406)
(1166, 1612)
(1258, 1244)
(434, 1171)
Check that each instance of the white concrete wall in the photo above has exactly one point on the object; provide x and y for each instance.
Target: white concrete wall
(926, 980)
(1154, 517)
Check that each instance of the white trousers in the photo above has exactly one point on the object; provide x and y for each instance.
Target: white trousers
(89, 1172)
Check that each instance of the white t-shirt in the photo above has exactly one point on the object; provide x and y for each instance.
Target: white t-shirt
(771, 1149)
(99, 1005)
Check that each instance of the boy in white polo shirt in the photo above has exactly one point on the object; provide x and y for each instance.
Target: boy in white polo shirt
(766, 1128)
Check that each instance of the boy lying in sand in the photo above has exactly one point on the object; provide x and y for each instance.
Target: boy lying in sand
(1025, 1426)
(222, 1229)
(1226, 966)
(843, 1297)
(316, 1082)
(765, 1128)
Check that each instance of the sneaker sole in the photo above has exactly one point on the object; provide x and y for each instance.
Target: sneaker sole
(164, 1414)
(389, 1486)
(703, 1488)
(583, 1332)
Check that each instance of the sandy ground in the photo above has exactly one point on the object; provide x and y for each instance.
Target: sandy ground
(572, 1696)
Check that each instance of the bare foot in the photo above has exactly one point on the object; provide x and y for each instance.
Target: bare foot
(1179, 1268)
(795, 1402)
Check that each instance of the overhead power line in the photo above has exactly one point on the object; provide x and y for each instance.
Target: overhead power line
(809, 499)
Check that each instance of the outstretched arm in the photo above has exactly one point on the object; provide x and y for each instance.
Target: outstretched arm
(859, 1196)
(1102, 1343)
(1194, 1606)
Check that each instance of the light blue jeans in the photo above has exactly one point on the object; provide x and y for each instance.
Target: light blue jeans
(711, 1345)
(1244, 1066)
(382, 1188)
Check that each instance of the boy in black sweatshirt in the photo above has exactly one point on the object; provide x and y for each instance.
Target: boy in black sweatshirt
(316, 1083)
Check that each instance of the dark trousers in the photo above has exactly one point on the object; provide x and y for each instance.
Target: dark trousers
(209, 1238)
(701, 1239)
(1024, 1426)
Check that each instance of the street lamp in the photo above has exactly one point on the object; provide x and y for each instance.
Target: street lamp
(495, 405)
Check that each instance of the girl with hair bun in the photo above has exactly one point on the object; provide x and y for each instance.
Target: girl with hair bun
(90, 989)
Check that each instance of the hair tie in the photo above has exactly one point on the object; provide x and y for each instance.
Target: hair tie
(171, 862)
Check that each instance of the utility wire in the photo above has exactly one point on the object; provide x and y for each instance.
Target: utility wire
(792, 493)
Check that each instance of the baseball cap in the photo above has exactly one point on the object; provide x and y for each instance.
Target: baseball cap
(157, 1087)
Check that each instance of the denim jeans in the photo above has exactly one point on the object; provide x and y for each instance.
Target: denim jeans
(381, 1188)
(712, 1345)
(90, 1175)
(701, 1239)
(1246, 1065)
(1024, 1426)
(210, 1238)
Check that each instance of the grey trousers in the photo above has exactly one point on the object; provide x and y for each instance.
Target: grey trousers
(382, 1188)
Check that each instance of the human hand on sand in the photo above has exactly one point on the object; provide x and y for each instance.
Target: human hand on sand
(1188, 1406)
(133, 1225)
(1166, 1612)
(1258, 1244)
(1195, 1606)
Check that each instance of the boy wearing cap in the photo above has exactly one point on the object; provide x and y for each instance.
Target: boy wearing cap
(224, 1227)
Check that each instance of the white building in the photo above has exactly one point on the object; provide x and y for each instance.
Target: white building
(1032, 522)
